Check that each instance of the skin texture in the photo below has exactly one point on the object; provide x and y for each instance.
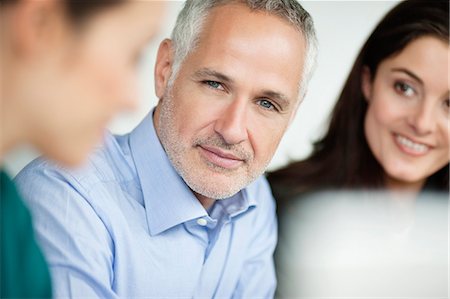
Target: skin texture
(231, 101)
(65, 82)
(409, 97)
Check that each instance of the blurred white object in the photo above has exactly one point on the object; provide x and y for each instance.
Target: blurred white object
(364, 244)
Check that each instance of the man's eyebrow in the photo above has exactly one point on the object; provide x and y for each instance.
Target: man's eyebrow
(209, 73)
(280, 98)
(409, 73)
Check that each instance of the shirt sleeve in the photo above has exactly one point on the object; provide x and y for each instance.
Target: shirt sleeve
(258, 279)
(75, 241)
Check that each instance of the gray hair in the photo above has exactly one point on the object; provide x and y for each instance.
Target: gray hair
(190, 20)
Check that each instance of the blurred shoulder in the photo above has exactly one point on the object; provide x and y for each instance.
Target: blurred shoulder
(101, 165)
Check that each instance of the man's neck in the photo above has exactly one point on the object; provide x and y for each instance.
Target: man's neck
(205, 201)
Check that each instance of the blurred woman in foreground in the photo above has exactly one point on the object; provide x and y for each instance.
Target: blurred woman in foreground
(66, 68)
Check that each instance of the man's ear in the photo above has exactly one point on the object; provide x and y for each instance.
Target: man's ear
(366, 83)
(163, 67)
(35, 25)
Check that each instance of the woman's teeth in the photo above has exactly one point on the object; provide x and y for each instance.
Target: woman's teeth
(418, 148)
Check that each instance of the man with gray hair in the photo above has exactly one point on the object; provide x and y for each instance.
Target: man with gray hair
(179, 208)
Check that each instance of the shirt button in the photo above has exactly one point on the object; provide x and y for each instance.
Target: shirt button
(202, 222)
(232, 208)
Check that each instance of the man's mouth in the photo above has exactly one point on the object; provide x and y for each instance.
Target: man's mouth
(220, 157)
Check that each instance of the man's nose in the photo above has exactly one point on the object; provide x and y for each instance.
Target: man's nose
(232, 123)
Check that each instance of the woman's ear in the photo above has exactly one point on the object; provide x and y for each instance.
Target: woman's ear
(163, 67)
(366, 83)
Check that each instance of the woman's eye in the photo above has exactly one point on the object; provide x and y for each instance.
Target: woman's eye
(266, 104)
(404, 89)
(213, 84)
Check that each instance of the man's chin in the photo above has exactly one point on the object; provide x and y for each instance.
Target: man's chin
(210, 190)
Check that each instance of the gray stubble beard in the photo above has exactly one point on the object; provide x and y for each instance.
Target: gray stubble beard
(188, 171)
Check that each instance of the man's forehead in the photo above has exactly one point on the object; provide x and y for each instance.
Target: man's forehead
(228, 18)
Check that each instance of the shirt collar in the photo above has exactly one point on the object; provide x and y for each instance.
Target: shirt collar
(168, 200)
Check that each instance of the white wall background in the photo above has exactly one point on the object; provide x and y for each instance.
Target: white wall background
(342, 27)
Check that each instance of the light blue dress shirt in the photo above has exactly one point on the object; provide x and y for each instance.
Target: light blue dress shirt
(126, 225)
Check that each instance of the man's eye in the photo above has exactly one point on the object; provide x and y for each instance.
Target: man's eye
(266, 104)
(404, 89)
(213, 84)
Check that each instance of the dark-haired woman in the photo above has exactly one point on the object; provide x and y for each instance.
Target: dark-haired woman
(66, 68)
(389, 129)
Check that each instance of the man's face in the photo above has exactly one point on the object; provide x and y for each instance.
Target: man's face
(232, 100)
